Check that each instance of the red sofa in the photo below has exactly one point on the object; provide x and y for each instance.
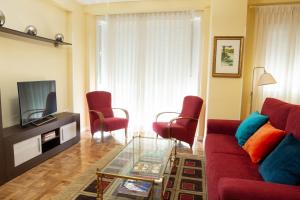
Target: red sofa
(229, 170)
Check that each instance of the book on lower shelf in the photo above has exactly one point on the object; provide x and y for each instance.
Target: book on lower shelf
(135, 188)
(48, 136)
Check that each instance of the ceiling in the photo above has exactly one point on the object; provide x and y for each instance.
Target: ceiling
(103, 1)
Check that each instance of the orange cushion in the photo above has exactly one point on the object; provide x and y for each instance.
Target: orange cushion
(263, 141)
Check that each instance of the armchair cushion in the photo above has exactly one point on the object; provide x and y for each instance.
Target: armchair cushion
(111, 124)
(100, 101)
(191, 108)
(162, 128)
(249, 126)
(101, 113)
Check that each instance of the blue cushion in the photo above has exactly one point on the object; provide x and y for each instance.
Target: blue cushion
(249, 126)
(283, 164)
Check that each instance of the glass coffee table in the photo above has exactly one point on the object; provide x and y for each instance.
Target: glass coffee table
(140, 170)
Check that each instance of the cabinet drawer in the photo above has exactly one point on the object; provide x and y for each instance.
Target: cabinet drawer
(27, 149)
(67, 132)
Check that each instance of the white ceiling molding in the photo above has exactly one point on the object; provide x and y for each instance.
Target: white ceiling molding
(147, 6)
(103, 1)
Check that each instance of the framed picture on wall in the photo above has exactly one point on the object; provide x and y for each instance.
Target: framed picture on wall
(227, 57)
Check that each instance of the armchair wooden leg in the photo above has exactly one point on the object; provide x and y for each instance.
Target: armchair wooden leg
(125, 132)
(156, 135)
(101, 135)
(191, 146)
(175, 148)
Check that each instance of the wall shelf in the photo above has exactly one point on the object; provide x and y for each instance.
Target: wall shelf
(25, 35)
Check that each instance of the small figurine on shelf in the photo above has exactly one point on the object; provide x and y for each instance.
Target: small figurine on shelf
(2, 18)
(59, 37)
(31, 30)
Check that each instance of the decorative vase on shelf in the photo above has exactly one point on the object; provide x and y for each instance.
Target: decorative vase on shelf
(2, 18)
(31, 30)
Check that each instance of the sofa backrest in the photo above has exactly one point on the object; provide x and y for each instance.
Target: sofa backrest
(277, 111)
(293, 122)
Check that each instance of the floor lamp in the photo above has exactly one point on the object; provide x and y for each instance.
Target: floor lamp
(265, 79)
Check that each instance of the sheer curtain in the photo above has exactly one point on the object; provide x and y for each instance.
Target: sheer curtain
(277, 47)
(149, 62)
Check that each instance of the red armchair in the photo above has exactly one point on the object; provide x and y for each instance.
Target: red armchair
(101, 113)
(183, 127)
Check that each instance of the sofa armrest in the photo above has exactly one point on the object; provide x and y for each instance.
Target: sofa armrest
(222, 126)
(236, 189)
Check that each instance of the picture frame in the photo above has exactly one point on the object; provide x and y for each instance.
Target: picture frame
(228, 56)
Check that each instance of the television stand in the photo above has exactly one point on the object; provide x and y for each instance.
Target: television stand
(44, 120)
(22, 148)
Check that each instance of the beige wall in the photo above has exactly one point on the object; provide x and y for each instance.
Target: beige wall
(79, 68)
(204, 68)
(28, 60)
(228, 18)
(77, 56)
(248, 65)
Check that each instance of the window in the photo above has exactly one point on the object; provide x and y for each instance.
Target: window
(277, 47)
(149, 62)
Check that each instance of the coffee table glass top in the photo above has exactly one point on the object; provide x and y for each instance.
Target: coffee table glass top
(141, 158)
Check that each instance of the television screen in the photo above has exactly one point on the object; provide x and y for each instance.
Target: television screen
(37, 100)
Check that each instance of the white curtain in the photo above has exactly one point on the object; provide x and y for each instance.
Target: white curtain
(149, 62)
(277, 47)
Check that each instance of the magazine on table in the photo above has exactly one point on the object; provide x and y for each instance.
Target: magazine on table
(146, 169)
(152, 157)
(136, 188)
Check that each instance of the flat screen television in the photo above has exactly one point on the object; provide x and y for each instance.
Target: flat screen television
(37, 100)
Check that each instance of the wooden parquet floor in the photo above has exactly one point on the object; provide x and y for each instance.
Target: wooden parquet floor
(47, 179)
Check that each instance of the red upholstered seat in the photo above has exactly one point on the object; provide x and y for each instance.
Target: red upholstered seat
(228, 144)
(184, 127)
(101, 113)
(111, 123)
(163, 129)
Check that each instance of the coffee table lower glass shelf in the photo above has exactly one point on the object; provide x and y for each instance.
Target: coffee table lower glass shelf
(140, 171)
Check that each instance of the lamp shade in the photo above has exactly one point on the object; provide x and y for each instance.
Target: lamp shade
(266, 79)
